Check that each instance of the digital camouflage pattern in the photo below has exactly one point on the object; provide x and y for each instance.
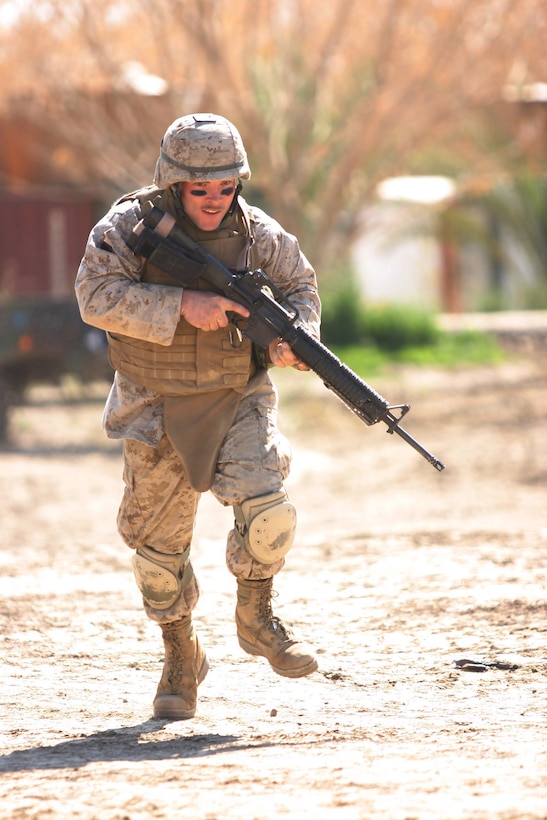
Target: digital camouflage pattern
(112, 297)
(201, 147)
(159, 505)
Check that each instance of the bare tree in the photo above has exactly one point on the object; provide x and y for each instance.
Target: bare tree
(330, 98)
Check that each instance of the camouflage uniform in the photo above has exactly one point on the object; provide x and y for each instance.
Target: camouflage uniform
(159, 504)
(193, 407)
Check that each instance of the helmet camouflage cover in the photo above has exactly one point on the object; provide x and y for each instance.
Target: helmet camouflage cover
(201, 147)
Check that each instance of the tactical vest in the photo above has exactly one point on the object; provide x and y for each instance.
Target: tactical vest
(196, 361)
(201, 375)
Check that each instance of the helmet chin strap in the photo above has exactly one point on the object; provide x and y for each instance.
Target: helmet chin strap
(178, 200)
(239, 188)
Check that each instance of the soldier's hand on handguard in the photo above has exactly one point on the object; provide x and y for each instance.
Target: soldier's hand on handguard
(207, 311)
(281, 355)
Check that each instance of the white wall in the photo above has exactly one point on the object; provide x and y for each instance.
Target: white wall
(393, 262)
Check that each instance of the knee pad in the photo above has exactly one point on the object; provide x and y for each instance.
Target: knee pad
(160, 577)
(265, 526)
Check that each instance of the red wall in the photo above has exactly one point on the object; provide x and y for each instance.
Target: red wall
(42, 239)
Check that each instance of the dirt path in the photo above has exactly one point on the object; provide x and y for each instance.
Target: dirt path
(399, 575)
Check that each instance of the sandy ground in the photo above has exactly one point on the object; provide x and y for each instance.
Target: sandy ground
(399, 576)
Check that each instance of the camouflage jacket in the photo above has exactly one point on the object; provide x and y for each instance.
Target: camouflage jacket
(111, 296)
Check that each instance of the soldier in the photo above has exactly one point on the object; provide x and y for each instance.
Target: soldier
(193, 402)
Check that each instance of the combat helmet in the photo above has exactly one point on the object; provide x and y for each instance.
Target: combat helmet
(201, 147)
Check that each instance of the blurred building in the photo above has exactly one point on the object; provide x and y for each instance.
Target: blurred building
(400, 258)
(428, 245)
(425, 243)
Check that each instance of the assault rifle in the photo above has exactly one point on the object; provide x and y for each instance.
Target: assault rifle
(272, 316)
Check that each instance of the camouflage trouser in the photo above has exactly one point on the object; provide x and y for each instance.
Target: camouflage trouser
(159, 506)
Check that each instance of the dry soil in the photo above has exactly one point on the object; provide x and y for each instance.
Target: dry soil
(424, 594)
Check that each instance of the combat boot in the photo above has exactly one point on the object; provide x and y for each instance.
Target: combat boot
(260, 633)
(185, 667)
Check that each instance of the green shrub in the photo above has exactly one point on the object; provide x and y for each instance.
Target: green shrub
(449, 350)
(396, 327)
(342, 317)
(368, 338)
(347, 321)
(452, 349)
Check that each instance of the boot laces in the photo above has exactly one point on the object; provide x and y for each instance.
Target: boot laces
(266, 615)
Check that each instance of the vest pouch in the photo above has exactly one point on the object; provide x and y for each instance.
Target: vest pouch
(196, 425)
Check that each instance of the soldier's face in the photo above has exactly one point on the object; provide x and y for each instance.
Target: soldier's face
(207, 203)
